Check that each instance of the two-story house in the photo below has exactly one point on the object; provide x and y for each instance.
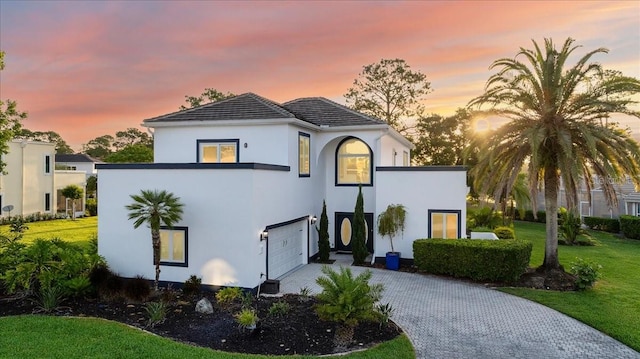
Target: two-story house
(253, 174)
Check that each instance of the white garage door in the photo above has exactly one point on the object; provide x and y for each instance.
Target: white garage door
(287, 246)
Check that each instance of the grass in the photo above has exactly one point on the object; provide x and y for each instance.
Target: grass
(62, 337)
(78, 231)
(613, 305)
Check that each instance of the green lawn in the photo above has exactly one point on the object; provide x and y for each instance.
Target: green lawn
(613, 305)
(59, 337)
(78, 231)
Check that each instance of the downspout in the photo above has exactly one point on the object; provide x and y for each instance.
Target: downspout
(23, 144)
(375, 180)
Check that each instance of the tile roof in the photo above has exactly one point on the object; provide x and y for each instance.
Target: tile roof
(249, 106)
(76, 157)
(323, 112)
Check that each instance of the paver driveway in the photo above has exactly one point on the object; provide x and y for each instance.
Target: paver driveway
(453, 319)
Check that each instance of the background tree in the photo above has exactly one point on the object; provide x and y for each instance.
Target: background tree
(99, 147)
(359, 232)
(92, 186)
(10, 121)
(156, 208)
(62, 148)
(554, 128)
(323, 235)
(207, 96)
(137, 153)
(442, 140)
(132, 136)
(391, 91)
(73, 193)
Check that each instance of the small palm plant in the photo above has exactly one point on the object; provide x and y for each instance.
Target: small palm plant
(155, 208)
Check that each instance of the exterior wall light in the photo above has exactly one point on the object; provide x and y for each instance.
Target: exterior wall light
(313, 219)
(264, 235)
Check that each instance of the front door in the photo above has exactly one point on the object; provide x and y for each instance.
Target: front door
(343, 231)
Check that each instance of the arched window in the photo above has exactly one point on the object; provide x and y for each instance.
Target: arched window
(353, 163)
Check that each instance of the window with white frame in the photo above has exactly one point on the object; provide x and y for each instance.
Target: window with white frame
(304, 155)
(218, 151)
(47, 164)
(405, 158)
(444, 224)
(174, 246)
(353, 163)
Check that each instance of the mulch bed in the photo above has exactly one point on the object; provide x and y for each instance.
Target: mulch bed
(299, 331)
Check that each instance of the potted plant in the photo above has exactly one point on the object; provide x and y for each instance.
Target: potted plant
(390, 222)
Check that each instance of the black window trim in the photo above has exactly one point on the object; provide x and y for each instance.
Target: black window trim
(303, 134)
(224, 140)
(457, 211)
(370, 184)
(186, 247)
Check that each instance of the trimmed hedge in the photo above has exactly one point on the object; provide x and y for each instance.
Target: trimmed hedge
(630, 226)
(504, 232)
(611, 225)
(481, 260)
(528, 216)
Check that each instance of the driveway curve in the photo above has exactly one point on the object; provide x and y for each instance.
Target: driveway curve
(452, 319)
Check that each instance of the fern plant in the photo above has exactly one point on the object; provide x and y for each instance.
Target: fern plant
(345, 299)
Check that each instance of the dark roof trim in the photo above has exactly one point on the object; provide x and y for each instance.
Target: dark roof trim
(193, 166)
(76, 157)
(423, 169)
(286, 223)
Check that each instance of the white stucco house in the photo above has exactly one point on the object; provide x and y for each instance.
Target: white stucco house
(253, 174)
(78, 162)
(31, 184)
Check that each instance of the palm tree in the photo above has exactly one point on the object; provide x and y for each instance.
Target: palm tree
(554, 129)
(155, 208)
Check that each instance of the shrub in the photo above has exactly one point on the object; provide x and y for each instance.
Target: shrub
(226, 296)
(49, 298)
(77, 286)
(192, 285)
(91, 206)
(481, 260)
(279, 308)
(384, 313)
(112, 287)
(630, 226)
(586, 273)
(483, 217)
(137, 289)
(482, 229)
(99, 275)
(359, 232)
(504, 232)
(611, 225)
(345, 299)
(157, 312)
(305, 294)
(324, 247)
(247, 318)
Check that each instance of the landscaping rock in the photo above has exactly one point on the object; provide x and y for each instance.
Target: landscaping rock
(204, 306)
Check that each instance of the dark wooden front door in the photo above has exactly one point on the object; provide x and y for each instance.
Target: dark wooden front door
(343, 232)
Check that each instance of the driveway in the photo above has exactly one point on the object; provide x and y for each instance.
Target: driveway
(453, 319)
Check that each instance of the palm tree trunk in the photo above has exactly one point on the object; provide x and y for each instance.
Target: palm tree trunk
(155, 238)
(551, 181)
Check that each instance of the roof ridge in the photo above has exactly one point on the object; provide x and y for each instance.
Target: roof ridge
(334, 103)
(274, 105)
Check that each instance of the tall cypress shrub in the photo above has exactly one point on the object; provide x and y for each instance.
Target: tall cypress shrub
(323, 235)
(359, 233)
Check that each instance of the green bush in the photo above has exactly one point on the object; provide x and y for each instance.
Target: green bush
(279, 308)
(483, 217)
(226, 296)
(611, 225)
(504, 232)
(157, 312)
(586, 273)
(247, 318)
(324, 247)
(482, 229)
(630, 226)
(481, 260)
(345, 299)
(92, 207)
(192, 285)
(137, 289)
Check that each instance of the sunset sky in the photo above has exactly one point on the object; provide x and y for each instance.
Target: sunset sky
(85, 69)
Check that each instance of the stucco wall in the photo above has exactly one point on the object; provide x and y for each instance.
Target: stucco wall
(264, 144)
(419, 191)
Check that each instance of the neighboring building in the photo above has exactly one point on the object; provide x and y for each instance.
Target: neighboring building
(253, 173)
(78, 162)
(32, 184)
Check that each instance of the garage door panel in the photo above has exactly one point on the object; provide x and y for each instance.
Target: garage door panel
(286, 248)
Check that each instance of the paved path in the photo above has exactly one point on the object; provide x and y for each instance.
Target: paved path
(452, 319)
